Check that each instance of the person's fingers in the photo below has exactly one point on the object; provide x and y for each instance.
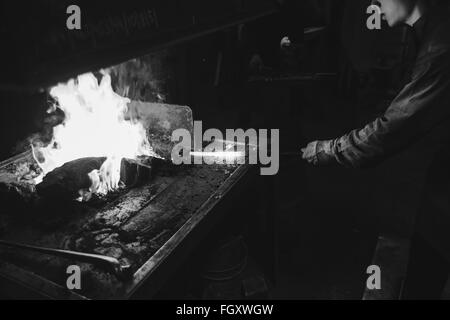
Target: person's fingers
(309, 151)
(285, 42)
(304, 154)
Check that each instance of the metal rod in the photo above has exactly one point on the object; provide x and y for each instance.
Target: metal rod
(112, 265)
(307, 77)
(291, 154)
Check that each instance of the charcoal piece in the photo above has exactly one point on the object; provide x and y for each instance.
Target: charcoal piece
(134, 173)
(113, 251)
(15, 195)
(129, 172)
(65, 182)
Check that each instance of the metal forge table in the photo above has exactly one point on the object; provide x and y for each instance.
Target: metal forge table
(153, 228)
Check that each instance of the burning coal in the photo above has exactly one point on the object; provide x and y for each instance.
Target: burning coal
(95, 125)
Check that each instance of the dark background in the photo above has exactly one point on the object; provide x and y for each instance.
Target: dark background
(328, 219)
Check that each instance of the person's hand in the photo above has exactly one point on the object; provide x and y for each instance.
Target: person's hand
(309, 152)
(318, 153)
(285, 43)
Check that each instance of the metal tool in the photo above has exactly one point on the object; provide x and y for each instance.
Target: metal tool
(299, 78)
(292, 154)
(109, 264)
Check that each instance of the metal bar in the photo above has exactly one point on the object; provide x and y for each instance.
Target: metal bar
(112, 265)
(291, 154)
(292, 78)
(17, 157)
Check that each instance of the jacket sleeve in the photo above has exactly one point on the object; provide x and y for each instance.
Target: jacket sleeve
(423, 104)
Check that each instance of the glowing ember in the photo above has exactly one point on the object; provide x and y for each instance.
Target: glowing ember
(220, 156)
(94, 126)
(227, 156)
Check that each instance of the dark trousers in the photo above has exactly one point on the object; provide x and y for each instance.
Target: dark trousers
(427, 272)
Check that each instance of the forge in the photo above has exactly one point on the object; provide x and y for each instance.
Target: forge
(55, 202)
(155, 217)
(99, 190)
(104, 194)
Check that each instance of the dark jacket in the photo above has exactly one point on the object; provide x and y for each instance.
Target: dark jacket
(420, 110)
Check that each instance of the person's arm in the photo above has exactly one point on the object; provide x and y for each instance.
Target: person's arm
(422, 105)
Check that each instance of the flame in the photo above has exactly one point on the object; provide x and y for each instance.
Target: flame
(94, 126)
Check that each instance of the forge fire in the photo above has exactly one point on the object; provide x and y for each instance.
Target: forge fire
(95, 125)
(99, 129)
